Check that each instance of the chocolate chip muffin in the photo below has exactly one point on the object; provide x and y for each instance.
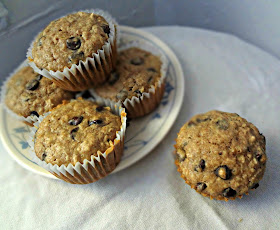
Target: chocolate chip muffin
(83, 133)
(30, 94)
(220, 155)
(75, 39)
(137, 71)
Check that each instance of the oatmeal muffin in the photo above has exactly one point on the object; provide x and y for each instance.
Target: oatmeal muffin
(220, 155)
(80, 133)
(75, 42)
(137, 71)
(29, 94)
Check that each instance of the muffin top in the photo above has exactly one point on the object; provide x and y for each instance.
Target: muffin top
(31, 94)
(70, 39)
(137, 70)
(220, 154)
(75, 131)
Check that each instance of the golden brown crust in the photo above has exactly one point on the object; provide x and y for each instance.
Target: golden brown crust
(220, 155)
(70, 39)
(27, 92)
(136, 71)
(75, 131)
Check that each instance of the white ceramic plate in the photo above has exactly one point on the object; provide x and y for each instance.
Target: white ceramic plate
(142, 135)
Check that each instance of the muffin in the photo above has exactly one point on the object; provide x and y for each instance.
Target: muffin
(137, 83)
(77, 51)
(26, 94)
(220, 155)
(80, 141)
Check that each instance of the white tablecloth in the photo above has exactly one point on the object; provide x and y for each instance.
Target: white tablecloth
(221, 72)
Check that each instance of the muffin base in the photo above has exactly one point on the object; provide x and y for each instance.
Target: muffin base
(102, 168)
(145, 105)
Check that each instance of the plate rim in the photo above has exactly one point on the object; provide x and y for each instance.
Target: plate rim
(159, 137)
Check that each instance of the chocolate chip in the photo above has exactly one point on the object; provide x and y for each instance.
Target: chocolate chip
(151, 69)
(106, 29)
(34, 113)
(73, 43)
(181, 155)
(40, 41)
(95, 122)
(86, 94)
(138, 92)
(150, 79)
(184, 144)
(76, 56)
(258, 155)
(191, 124)
(73, 133)
(223, 172)
(200, 186)
(229, 192)
(113, 78)
(137, 61)
(39, 77)
(44, 156)
(222, 124)
(76, 120)
(32, 85)
(99, 108)
(254, 186)
(122, 95)
(198, 120)
(220, 154)
(25, 97)
(200, 167)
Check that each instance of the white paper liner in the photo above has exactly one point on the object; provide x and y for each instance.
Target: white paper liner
(136, 101)
(83, 68)
(78, 168)
(3, 90)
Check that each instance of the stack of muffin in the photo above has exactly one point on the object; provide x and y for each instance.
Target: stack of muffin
(80, 140)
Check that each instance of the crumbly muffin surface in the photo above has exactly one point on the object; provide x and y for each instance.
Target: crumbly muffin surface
(137, 70)
(75, 131)
(221, 155)
(31, 94)
(70, 39)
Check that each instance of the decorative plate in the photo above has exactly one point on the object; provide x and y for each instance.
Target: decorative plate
(142, 135)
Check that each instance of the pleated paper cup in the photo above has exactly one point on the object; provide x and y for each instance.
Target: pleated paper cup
(3, 90)
(148, 101)
(91, 72)
(100, 164)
